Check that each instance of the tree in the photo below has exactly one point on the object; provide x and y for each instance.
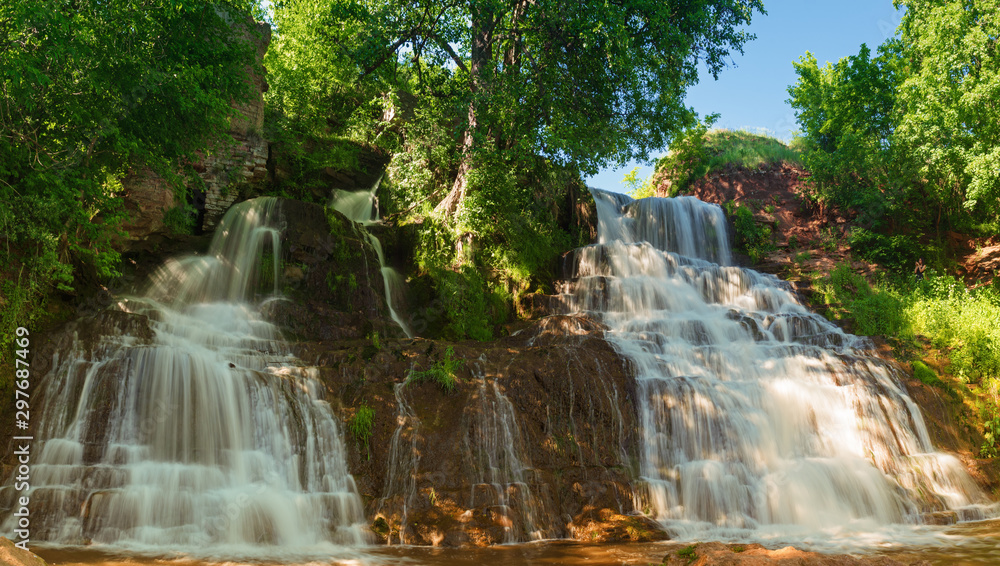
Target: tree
(580, 83)
(911, 134)
(848, 116)
(951, 100)
(90, 89)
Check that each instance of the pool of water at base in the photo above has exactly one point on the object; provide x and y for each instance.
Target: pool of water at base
(968, 544)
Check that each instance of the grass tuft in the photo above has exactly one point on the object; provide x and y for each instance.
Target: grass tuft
(441, 372)
(361, 425)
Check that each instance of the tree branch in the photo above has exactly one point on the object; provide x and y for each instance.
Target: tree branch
(451, 52)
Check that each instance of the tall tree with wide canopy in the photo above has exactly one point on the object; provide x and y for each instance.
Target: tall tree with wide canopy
(581, 83)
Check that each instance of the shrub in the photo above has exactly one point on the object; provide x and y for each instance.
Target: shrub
(752, 238)
(898, 252)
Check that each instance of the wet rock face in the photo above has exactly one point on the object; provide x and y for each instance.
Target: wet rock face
(90, 336)
(331, 275)
(535, 440)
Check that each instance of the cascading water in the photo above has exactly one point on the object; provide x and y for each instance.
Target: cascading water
(211, 439)
(495, 449)
(404, 462)
(362, 207)
(758, 417)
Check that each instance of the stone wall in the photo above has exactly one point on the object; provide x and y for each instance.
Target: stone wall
(244, 162)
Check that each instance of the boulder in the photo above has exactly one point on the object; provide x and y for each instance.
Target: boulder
(11, 555)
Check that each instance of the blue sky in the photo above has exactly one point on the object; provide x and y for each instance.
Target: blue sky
(751, 95)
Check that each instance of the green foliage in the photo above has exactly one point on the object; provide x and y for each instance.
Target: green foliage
(875, 311)
(697, 152)
(90, 92)
(828, 239)
(925, 374)
(471, 307)
(361, 425)
(688, 552)
(846, 113)
(687, 159)
(441, 372)
(639, 189)
(179, 219)
(372, 348)
(580, 83)
(960, 320)
(753, 238)
(22, 303)
(901, 137)
(991, 434)
(898, 252)
(949, 89)
(503, 242)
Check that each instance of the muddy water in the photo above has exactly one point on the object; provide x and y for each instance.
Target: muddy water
(968, 544)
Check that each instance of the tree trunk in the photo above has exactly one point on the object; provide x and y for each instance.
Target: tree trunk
(483, 24)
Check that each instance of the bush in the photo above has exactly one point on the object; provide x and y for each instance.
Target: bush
(752, 238)
(875, 310)
(687, 159)
(925, 374)
(898, 252)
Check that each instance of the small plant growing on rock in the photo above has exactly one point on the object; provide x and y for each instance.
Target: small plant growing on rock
(442, 372)
(688, 553)
(373, 347)
(380, 527)
(361, 425)
(991, 433)
(925, 374)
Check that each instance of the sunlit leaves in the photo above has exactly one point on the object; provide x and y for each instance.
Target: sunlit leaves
(92, 89)
(952, 98)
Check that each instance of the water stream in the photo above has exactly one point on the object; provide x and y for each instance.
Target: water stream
(362, 207)
(495, 447)
(758, 417)
(400, 490)
(209, 438)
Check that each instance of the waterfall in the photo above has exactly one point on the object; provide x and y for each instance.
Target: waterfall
(207, 437)
(362, 207)
(495, 447)
(757, 415)
(404, 463)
